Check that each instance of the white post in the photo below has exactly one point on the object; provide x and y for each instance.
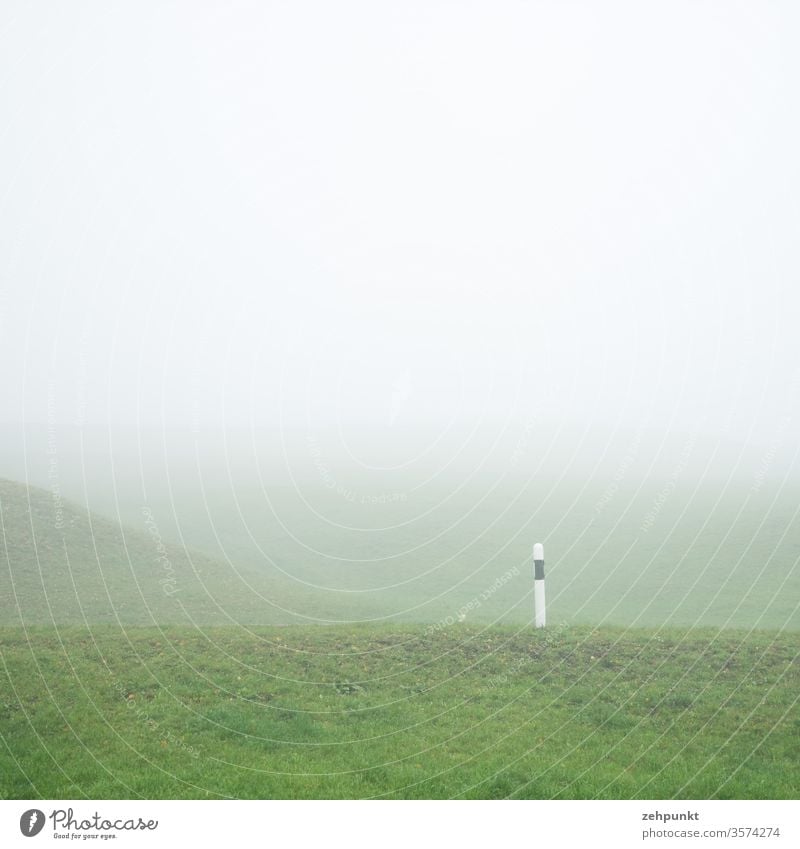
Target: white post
(540, 617)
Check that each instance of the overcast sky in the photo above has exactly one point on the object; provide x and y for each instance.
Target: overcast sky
(401, 214)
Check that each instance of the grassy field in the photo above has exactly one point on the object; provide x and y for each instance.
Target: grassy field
(224, 557)
(60, 564)
(402, 712)
(170, 658)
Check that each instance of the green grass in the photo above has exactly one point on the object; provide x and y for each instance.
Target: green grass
(398, 712)
(704, 562)
(62, 565)
(134, 665)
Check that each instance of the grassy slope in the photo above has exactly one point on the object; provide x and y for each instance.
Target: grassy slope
(398, 712)
(707, 559)
(703, 562)
(194, 709)
(60, 564)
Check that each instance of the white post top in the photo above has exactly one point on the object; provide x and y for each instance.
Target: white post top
(538, 551)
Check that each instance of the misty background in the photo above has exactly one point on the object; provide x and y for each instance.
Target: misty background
(373, 296)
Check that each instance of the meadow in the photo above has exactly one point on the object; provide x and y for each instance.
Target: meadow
(398, 712)
(210, 640)
(182, 533)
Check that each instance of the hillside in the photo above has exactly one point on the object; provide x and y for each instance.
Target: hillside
(60, 564)
(269, 558)
(626, 554)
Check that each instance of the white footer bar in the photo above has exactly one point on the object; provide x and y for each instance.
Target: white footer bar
(404, 825)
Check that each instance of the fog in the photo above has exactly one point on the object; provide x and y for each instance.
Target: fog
(413, 232)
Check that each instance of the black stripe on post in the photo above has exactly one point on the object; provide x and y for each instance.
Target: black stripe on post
(538, 570)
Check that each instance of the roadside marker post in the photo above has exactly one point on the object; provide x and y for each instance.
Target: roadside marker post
(539, 615)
